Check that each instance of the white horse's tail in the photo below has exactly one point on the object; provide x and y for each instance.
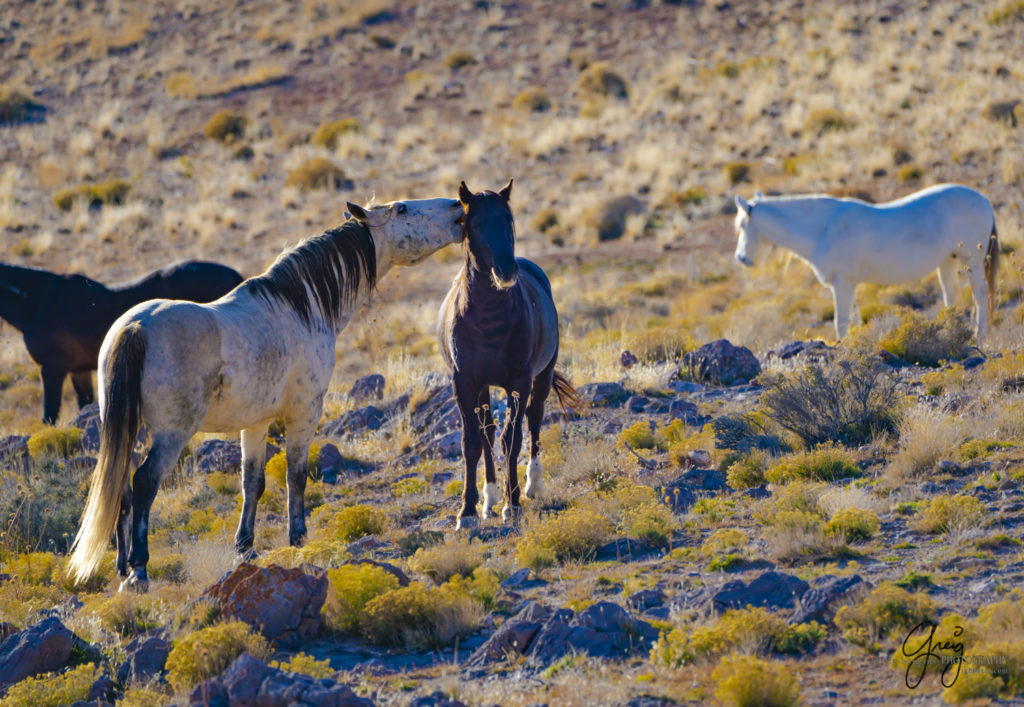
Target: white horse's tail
(118, 429)
(992, 268)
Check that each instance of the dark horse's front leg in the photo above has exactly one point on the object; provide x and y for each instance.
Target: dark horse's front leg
(467, 396)
(512, 442)
(53, 384)
(485, 419)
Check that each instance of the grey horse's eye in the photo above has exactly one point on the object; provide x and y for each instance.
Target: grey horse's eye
(400, 209)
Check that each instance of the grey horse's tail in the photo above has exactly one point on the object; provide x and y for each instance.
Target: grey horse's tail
(568, 397)
(118, 429)
(992, 268)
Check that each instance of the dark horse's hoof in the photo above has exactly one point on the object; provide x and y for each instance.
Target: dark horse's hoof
(246, 555)
(466, 523)
(136, 582)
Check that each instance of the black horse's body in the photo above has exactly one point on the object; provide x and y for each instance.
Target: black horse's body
(498, 327)
(65, 317)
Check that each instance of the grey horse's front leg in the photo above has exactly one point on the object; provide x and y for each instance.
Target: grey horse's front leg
(254, 457)
(300, 435)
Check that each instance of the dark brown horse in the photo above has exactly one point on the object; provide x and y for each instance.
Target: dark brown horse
(498, 327)
(65, 317)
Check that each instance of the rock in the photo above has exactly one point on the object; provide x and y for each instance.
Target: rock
(622, 549)
(330, 462)
(814, 349)
(819, 603)
(637, 403)
(603, 630)
(218, 455)
(147, 656)
(516, 579)
(13, 447)
(436, 699)
(645, 599)
(972, 362)
(88, 420)
(446, 446)
(371, 386)
(355, 422)
(686, 386)
(722, 363)
(773, 590)
(369, 543)
(700, 458)
(101, 691)
(511, 639)
(627, 359)
(282, 604)
(609, 218)
(684, 410)
(603, 394)
(250, 682)
(42, 648)
(402, 577)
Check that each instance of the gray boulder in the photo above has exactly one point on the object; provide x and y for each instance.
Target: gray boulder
(819, 603)
(513, 637)
(250, 682)
(603, 394)
(358, 421)
(147, 656)
(603, 630)
(371, 386)
(771, 589)
(436, 699)
(218, 455)
(88, 420)
(38, 649)
(721, 363)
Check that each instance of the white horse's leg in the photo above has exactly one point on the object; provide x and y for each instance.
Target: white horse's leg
(300, 435)
(254, 457)
(947, 280)
(979, 292)
(842, 305)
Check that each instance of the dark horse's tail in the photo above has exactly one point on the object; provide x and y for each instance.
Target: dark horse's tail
(118, 428)
(992, 268)
(568, 397)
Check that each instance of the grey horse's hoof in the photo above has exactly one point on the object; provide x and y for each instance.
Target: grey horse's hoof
(247, 555)
(512, 513)
(467, 523)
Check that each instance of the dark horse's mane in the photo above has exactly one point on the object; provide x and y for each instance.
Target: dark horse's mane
(324, 271)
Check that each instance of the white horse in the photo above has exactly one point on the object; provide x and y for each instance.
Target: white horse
(263, 351)
(848, 241)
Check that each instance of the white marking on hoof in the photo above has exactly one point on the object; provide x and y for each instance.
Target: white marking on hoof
(466, 523)
(134, 584)
(511, 512)
(534, 488)
(491, 497)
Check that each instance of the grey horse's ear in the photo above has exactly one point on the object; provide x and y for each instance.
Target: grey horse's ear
(358, 212)
(464, 194)
(742, 204)
(506, 191)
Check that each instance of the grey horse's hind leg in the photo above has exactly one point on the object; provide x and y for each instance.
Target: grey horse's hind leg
(254, 457)
(121, 532)
(161, 458)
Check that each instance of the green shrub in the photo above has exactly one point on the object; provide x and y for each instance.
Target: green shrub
(848, 402)
(168, 566)
(45, 505)
(208, 652)
(794, 535)
(853, 525)
(909, 173)
(456, 556)
(826, 120)
(226, 127)
(572, 535)
(112, 192)
(52, 689)
(638, 435)
(124, 613)
(409, 487)
(142, 697)
(1009, 11)
(305, 665)
(749, 681)
(977, 684)
(317, 173)
(327, 134)
(534, 99)
(458, 59)
(724, 540)
(483, 585)
(653, 523)
(945, 513)
(349, 589)
(416, 617)
(223, 483)
(928, 343)
(747, 471)
(16, 104)
(357, 521)
(33, 567)
(599, 79)
(826, 462)
(888, 612)
(55, 442)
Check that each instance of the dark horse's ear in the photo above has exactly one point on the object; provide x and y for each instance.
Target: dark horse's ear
(358, 212)
(506, 191)
(464, 194)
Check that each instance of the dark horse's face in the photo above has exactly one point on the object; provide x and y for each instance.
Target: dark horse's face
(489, 233)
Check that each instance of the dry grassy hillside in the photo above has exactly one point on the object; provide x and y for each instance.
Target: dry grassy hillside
(137, 134)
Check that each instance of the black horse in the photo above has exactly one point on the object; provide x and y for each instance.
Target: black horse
(498, 327)
(65, 317)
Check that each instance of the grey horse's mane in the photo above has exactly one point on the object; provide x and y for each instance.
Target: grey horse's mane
(325, 271)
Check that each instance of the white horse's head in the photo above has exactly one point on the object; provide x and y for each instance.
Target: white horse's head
(746, 237)
(406, 232)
